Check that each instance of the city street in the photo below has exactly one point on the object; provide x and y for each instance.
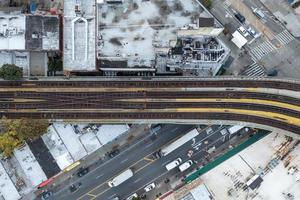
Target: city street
(146, 167)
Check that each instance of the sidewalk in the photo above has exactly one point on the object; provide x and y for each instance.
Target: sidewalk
(135, 133)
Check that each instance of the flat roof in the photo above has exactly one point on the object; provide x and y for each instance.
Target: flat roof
(29, 32)
(238, 39)
(7, 189)
(79, 35)
(30, 165)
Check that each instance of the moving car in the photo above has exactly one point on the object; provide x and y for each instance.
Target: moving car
(149, 187)
(185, 165)
(173, 164)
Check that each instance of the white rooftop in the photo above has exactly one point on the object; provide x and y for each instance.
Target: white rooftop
(107, 133)
(7, 188)
(29, 165)
(79, 35)
(12, 32)
(57, 148)
(200, 193)
(71, 141)
(130, 31)
(238, 39)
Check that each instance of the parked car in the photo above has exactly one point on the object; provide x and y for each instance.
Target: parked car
(258, 13)
(240, 17)
(82, 171)
(131, 197)
(73, 188)
(252, 32)
(113, 153)
(185, 165)
(46, 195)
(149, 187)
(243, 31)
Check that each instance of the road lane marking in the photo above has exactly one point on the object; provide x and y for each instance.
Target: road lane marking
(123, 161)
(133, 165)
(99, 176)
(149, 145)
(148, 159)
(137, 180)
(92, 195)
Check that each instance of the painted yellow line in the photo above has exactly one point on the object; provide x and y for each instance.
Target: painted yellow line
(281, 117)
(15, 100)
(148, 159)
(91, 89)
(133, 165)
(92, 195)
(143, 167)
(199, 100)
(277, 116)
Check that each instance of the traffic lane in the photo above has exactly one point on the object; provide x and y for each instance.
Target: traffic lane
(142, 180)
(225, 15)
(114, 166)
(269, 19)
(157, 168)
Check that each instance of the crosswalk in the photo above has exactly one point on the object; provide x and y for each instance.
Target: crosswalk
(284, 37)
(254, 70)
(227, 3)
(262, 50)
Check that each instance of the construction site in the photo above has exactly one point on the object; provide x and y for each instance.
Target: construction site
(254, 175)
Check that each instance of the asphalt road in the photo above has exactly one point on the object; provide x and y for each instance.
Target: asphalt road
(97, 179)
(146, 168)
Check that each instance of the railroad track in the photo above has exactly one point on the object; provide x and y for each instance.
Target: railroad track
(159, 99)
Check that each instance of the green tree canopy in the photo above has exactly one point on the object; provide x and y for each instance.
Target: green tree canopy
(11, 72)
(207, 3)
(14, 132)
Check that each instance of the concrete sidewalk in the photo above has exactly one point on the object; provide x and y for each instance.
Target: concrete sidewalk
(135, 133)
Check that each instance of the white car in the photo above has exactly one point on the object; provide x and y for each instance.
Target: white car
(173, 164)
(251, 31)
(149, 187)
(185, 165)
(131, 197)
(243, 31)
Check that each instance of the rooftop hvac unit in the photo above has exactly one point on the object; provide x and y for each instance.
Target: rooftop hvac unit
(77, 8)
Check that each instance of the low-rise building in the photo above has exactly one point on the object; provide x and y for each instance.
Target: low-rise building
(25, 40)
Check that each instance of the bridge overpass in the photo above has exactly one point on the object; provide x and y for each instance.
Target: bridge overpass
(263, 103)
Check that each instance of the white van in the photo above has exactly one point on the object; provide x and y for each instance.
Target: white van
(173, 164)
(258, 13)
(185, 165)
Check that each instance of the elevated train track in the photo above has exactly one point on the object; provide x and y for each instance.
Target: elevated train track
(271, 103)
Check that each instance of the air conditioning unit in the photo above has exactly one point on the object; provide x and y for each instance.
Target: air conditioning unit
(77, 8)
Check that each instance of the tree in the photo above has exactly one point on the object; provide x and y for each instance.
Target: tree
(13, 132)
(55, 63)
(207, 4)
(136, 198)
(11, 72)
(31, 128)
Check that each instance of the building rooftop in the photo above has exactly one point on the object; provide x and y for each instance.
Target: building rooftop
(132, 30)
(7, 188)
(79, 35)
(28, 32)
(30, 165)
